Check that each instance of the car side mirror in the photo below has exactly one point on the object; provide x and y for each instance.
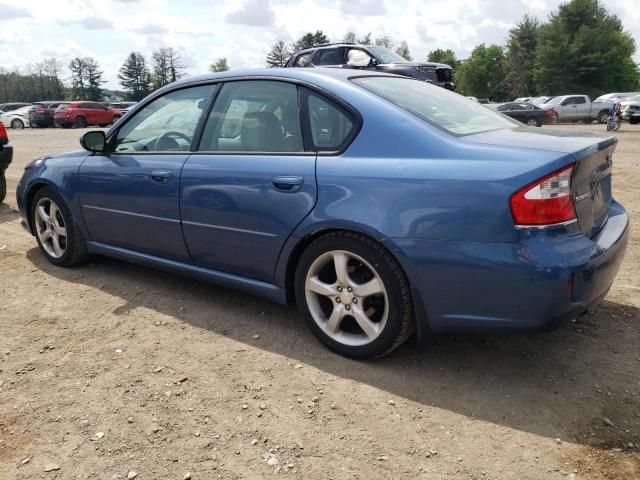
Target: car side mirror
(94, 141)
(564, 104)
(358, 58)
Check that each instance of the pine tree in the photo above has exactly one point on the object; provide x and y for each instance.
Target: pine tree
(520, 57)
(167, 66)
(93, 80)
(403, 51)
(584, 49)
(311, 39)
(220, 65)
(135, 77)
(78, 79)
(278, 55)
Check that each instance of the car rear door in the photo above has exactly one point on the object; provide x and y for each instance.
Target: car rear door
(251, 182)
(130, 196)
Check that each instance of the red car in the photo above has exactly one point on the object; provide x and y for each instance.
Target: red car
(80, 114)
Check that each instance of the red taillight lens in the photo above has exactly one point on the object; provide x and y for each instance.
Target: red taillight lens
(546, 201)
(41, 110)
(4, 138)
(550, 112)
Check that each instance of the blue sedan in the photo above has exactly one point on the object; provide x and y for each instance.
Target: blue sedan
(383, 206)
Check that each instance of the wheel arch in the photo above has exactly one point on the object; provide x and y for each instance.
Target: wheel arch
(295, 247)
(31, 192)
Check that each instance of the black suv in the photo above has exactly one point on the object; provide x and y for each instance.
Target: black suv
(41, 113)
(371, 57)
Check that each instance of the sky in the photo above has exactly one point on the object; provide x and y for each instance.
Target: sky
(244, 30)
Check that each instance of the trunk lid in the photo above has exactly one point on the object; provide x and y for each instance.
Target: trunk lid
(591, 179)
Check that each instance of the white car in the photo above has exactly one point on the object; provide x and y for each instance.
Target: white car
(630, 109)
(17, 119)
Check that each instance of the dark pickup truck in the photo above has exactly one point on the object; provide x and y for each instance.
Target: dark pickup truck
(6, 155)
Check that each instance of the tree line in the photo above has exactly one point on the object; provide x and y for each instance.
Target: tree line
(581, 48)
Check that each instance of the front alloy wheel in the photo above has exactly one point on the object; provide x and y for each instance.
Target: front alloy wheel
(50, 228)
(354, 295)
(57, 234)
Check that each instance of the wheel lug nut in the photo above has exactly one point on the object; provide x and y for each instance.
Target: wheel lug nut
(338, 300)
(355, 300)
(347, 307)
(349, 289)
(339, 289)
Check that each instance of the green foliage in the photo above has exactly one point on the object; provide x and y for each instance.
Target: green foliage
(384, 42)
(167, 66)
(366, 40)
(482, 75)
(37, 82)
(584, 49)
(311, 40)
(520, 58)
(220, 65)
(86, 79)
(349, 37)
(135, 77)
(403, 50)
(447, 57)
(278, 55)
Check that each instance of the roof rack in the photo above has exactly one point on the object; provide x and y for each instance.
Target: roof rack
(327, 45)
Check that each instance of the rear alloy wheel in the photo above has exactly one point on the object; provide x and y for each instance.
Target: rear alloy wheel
(603, 117)
(80, 122)
(17, 124)
(57, 235)
(533, 122)
(354, 295)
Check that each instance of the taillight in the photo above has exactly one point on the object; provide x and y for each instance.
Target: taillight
(41, 110)
(546, 201)
(4, 138)
(550, 112)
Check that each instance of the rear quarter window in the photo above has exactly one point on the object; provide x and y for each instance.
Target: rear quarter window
(439, 107)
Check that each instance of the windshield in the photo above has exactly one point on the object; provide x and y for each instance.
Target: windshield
(437, 106)
(556, 101)
(634, 99)
(384, 55)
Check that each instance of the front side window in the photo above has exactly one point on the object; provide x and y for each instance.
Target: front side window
(330, 125)
(437, 106)
(254, 116)
(384, 55)
(167, 124)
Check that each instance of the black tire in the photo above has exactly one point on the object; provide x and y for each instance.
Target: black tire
(80, 122)
(17, 124)
(603, 117)
(400, 322)
(3, 186)
(75, 251)
(634, 121)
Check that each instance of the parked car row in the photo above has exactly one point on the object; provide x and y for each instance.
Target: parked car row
(527, 113)
(61, 113)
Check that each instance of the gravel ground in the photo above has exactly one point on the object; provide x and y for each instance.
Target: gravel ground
(114, 371)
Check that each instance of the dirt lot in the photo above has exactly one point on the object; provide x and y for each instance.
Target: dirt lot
(112, 368)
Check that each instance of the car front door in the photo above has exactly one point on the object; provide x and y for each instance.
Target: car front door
(251, 181)
(130, 196)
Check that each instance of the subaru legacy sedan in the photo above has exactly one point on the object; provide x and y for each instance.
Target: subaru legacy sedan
(381, 205)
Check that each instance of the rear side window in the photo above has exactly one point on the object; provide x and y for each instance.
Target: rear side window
(328, 56)
(302, 60)
(330, 125)
(254, 116)
(439, 107)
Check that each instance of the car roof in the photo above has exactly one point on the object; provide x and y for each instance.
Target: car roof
(320, 76)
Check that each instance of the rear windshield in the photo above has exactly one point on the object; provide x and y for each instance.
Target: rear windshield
(64, 106)
(439, 107)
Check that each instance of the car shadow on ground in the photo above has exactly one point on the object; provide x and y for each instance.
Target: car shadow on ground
(8, 214)
(579, 383)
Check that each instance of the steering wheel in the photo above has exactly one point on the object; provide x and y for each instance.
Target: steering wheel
(167, 141)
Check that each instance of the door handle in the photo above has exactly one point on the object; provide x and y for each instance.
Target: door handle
(161, 176)
(287, 183)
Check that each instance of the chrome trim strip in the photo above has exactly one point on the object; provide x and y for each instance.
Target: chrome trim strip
(550, 225)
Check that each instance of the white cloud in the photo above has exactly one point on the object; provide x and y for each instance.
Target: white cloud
(256, 13)
(8, 11)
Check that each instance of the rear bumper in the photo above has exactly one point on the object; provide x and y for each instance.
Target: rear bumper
(536, 284)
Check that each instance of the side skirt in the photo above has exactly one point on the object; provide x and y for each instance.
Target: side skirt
(255, 287)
